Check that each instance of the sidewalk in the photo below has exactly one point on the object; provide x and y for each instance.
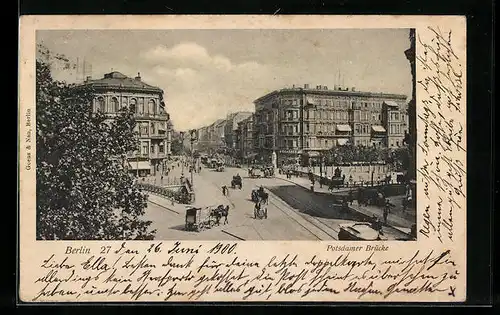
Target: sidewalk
(396, 218)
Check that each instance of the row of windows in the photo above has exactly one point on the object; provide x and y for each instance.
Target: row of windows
(147, 148)
(327, 115)
(134, 105)
(146, 129)
(336, 102)
(395, 116)
(397, 128)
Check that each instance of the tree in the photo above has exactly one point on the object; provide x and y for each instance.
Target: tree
(177, 147)
(83, 189)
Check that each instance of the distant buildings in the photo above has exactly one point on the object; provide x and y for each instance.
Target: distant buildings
(115, 91)
(231, 127)
(304, 121)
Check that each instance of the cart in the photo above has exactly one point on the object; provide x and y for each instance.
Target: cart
(260, 210)
(199, 218)
(236, 182)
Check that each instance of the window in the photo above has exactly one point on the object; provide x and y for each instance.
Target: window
(152, 148)
(144, 130)
(124, 102)
(114, 105)
(133, 105)
(161, 148)
(152, 128)
(397, 143)
(101, 105)
(141, 106)
(307, 143)
(152, 107)
(144, 148)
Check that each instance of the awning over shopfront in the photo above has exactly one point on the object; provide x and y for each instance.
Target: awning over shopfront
(376, 128)
(344, 128)
(141, 165)
(342, 141)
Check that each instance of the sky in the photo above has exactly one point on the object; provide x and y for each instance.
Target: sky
(206, 74)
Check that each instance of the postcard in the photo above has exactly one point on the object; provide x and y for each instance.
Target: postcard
(242, 158)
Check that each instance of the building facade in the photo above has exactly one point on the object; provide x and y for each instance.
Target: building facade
(153, 128)
(244, 140)
(301, 121)
(231, 127)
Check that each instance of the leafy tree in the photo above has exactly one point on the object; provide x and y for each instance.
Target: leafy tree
(177, 147)
(83, 188)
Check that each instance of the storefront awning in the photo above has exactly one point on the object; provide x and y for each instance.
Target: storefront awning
(344, 128)
(141, 165)
(342, 141)
(376, 128)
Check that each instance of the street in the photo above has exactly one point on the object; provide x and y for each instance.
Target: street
(294, 213)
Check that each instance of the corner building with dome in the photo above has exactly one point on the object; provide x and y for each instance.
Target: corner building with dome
(154, 128)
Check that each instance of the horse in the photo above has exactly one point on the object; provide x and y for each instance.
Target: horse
(221, 212)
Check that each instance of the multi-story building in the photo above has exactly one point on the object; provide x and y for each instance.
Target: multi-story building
(299, 121)
(231, 126)
(244, 140)
(115, 91)
(218, 137)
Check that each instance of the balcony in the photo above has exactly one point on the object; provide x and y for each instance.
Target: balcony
(162, 116)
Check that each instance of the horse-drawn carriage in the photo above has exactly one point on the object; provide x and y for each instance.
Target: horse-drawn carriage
(201, 218)
(261, 200)
(219, 167)
(236, 182)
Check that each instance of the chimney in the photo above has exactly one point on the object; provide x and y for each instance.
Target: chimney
(325, 87)
(335, 87)
(88, 78)
(138, 77)
(306, 86)
(353, 89)
(293, 86)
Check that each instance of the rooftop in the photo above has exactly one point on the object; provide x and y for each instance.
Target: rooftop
(117, 79)
(337, 90)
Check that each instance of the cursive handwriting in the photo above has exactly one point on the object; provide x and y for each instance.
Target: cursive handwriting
(440, 122)
(142, 275)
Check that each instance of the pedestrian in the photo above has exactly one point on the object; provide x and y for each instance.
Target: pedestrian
(224, 190)
(405, 203)
(351, 197)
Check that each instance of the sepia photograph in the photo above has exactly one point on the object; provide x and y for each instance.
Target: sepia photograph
(226, 134)
(242, 159)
